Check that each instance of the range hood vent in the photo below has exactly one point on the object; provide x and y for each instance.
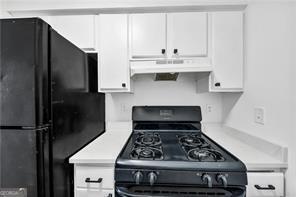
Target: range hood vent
(169, 67)
(166, 76)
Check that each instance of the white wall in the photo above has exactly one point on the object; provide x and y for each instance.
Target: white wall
(269, 79)
(3, 9)
(149, 92)
(291, 180)
(267, 73)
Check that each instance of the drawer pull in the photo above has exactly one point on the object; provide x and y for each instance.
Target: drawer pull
(87, 180)
(269, 187)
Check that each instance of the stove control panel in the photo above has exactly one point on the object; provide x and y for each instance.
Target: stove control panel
(154, 177)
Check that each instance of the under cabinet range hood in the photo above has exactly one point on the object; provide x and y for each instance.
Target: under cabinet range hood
(170, 66)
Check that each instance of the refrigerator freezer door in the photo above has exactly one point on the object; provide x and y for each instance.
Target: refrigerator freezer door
(22, 161)
(23, 73)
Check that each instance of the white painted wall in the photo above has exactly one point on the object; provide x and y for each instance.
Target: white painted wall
(3, 9)
(267, 73)
(149, 92)
(269, 79)
(291, 175)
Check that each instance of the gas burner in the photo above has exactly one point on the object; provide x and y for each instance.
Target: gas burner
(192, 141)
(149, 153)
(208, 155)
(148, 139)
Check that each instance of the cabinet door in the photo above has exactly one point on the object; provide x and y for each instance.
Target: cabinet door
(265, 184)
(227, 60)
(188, 34)
(113, 53)
(93, 193)
(105, 173)
(80, 29)
(148, 35)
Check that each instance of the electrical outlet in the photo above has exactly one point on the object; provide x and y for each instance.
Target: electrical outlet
(259, 114)
(209, 108)
(123, 107)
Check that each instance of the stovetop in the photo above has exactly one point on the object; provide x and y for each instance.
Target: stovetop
(175, 145)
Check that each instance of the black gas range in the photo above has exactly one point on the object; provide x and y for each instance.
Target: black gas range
(167, 154)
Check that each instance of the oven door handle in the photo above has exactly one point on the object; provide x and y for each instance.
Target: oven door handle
(124, 193)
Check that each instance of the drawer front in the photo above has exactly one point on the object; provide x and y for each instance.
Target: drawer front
(265, 184)
(94, 173)
(93, 193)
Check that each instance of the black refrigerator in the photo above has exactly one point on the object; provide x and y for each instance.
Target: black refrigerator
(49, 108)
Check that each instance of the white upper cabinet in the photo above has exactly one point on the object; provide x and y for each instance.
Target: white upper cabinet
(228, 54)
(113, 69)
(148, 35)
(187, 34)
(79, 29)
(173, 35)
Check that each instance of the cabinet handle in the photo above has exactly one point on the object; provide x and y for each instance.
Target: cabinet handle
(123, 85)
(163, 51)
(218, 84)
(87, 180)
(269, 187)
(176, 51)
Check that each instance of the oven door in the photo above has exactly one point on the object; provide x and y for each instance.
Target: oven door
(177, 191)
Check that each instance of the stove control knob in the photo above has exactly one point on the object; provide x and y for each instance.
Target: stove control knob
(152, 178)
(207, 179)
(138, 176)
(222, 179)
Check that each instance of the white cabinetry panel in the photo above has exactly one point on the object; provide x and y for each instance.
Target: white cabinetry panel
(227, 58)
(93, 187)
(93, 193)
(187, 34)
(113, 53)
(148, 35)
(265, 184)
(94, 173)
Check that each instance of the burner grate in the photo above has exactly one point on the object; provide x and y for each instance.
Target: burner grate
(198, 154)
(148, 139)
(147, 146)
(149, 153)
(197, 149)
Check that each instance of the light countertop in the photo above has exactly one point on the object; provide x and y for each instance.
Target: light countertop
(256, 154)
(106, 147)
(253, 152)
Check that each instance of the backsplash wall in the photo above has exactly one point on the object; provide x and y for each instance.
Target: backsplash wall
(184, 91)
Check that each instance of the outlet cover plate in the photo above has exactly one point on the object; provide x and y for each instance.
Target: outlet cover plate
(259, 115)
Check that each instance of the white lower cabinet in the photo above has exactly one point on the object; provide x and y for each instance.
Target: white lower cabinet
(265, 184)
(94, 180)
(93, 193)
